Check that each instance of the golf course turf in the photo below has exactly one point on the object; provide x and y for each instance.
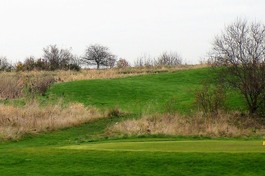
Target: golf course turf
(137, 157)
(86, 150)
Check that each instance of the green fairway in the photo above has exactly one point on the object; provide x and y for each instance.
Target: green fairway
(193, 157)
(201, 146)
(148, 93)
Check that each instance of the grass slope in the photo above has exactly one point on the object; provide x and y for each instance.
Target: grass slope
(147, 93)
(70, 152)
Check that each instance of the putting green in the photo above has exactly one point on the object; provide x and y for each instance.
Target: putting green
(202, 146)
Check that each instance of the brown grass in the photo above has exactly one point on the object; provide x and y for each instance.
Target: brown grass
(16, 85)
(86, 74)
(15, 122)
(66, 76)
(224, 125)
(11, 86)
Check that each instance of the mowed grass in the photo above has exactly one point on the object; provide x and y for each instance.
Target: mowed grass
(138, 157)
(200, 146)
(146, 93)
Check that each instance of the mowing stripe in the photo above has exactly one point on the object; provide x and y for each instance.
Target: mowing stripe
(202, 146)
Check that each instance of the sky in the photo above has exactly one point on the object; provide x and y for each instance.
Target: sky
(130, 28)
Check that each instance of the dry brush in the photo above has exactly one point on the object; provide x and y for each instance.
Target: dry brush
(15, 122)
(221, 125)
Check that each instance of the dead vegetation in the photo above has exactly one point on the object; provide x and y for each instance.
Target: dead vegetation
(15, 85)
(86, 74)
(32, 118)
(221, 125)
(11, 86)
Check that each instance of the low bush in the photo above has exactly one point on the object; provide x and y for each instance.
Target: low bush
(114, 112)
(39, 85)
(210, 99)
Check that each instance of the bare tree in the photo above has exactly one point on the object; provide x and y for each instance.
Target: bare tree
(122, 63)
(98, 55)
(145, 61)
(240, 54)
(110, 61)
(29, 63)
(169, 59)
(57, 58)
(5, 65)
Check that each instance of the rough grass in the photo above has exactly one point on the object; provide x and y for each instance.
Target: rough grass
(218, 125)
(32, 118)
(11, 86)
(16, 85)
(88, 74)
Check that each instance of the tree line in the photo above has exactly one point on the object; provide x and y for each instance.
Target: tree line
(99, 56)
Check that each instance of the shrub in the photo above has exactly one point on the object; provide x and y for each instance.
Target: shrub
(40, 85)
(210, 99)
(41, 64)
(29, 64)
(114, 112)
(169, 59)
(19, 66)
(122, 63)
(5, 65)
(74, 67)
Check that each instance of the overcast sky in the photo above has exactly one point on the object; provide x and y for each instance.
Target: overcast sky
(130, 28)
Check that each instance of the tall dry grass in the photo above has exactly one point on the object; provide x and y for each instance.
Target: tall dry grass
(222, 125)
(66, 76)
(15, 85)
(11, 86)
(15, 122)
(86, 74)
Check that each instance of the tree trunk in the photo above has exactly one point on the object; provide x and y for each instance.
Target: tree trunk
(253, 109)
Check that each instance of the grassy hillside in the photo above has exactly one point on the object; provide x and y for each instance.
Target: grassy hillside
(151, 93)
(85, 149)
